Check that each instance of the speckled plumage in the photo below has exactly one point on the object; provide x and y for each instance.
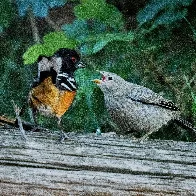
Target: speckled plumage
(135, 108)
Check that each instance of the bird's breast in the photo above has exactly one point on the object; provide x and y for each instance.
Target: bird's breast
(48, 99)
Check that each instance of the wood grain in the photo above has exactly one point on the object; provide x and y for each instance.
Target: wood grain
(94, 165)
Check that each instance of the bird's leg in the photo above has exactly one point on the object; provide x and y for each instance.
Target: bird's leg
(63, 136)
(145, 137)
(33, 117)
(114, 125)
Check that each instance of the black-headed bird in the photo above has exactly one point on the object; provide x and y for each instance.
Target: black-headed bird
(54, 89)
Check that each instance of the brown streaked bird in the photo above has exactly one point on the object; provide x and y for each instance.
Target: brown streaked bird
(55, 88)
(135, 108)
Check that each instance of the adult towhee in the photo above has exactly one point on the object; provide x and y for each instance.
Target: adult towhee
(54, 89)
(136, 108)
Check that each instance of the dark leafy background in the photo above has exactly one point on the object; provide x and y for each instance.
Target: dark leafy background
(151, 43)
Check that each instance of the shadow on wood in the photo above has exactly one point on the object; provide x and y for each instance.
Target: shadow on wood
(94, 165)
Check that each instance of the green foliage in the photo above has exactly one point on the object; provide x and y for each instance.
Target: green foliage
(101, 40)
(97, 25)
(15, 78)
(6, 13)
(94, 44)
(101, 11)
(163, 12)
(81, 29)
(51, 43)
(14, 86)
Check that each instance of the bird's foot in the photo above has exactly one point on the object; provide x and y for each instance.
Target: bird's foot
(35, 128)
(63, 136)
(98, 131)
(138, 140)
(142, 139)
(145, 137)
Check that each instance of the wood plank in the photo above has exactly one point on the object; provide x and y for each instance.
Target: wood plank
(94, 165)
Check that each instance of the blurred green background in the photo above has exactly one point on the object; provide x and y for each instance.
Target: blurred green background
(152, 43)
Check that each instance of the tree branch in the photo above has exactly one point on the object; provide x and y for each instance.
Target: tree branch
(34, 28)
(52, 24)
(26, 125)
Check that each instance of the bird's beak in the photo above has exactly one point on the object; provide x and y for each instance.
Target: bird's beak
(80, 65)
(97, 81)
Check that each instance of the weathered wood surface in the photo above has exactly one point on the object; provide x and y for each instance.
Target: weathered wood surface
(94, 165)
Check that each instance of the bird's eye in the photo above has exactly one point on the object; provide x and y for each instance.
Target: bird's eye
(73, 59)
(109, 78)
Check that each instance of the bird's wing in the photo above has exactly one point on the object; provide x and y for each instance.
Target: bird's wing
(147, 96)
(66, 82)
(46, 68)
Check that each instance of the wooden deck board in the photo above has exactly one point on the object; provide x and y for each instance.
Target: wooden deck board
(94, 165)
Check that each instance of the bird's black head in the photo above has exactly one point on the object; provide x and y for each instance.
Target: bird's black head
(70, 60)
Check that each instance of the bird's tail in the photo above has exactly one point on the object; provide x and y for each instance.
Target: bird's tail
(186, 124)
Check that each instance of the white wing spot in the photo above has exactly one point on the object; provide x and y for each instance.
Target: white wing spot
(64, 85)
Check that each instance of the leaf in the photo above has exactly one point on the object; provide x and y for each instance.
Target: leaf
(93, 44)
(104, 40)
(86, 48)
(80, 29)
(101, 11)
(93, 38)
(98, 24)
(51, 43)
(76, 29)
(154, 7)
(169, 17)
(31, 55)
(39, 7)
(99, 45)
(58, 39)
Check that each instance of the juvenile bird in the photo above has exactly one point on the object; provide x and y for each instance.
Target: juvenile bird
(55, 87)
(135, 108)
